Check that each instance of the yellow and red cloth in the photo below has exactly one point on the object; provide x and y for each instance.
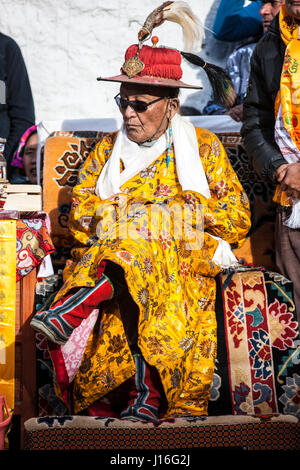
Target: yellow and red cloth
(24, 243)
(33, 243)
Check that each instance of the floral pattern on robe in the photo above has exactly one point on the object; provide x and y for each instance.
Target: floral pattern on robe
(173, 285)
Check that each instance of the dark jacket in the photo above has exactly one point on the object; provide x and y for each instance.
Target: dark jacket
(16, 107)
(259, 116)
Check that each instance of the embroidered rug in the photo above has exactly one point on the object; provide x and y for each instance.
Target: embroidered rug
(64, 154)
(258, 361)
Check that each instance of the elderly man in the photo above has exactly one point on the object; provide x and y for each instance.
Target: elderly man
(270, 131)
(155, 210)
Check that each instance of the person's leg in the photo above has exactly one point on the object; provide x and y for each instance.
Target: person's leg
(140, 398)
(146, 400)
(287, 248)
(58, 323)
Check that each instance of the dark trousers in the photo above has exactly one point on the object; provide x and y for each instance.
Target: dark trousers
(287, 247)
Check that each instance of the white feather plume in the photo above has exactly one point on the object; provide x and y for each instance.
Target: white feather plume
(181, 13)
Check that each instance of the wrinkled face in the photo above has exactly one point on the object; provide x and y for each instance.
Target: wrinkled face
(142, 126)
(29, 158)
(268, 11)
(293, 8)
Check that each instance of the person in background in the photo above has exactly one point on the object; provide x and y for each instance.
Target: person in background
(270, 131)
(268, 12)
(236, 22)
(24, 161)
(238, 65)
(16, 101)
(238, 69)
(189, 111)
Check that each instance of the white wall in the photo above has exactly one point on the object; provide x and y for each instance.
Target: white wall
(67, 44)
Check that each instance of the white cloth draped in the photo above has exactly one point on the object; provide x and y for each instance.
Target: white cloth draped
(291, 154)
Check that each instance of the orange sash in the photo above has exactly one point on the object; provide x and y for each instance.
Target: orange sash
(287, 103)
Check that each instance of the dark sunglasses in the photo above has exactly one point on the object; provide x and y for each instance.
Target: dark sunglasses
(138, 105)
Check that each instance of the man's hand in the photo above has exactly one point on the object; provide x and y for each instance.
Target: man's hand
(236, 112)
(289, 178)
(280, 172)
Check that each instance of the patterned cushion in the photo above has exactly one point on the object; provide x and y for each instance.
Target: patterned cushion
(64, 154)
(90, 433)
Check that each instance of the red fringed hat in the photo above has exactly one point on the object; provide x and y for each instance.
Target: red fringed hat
(159, 66)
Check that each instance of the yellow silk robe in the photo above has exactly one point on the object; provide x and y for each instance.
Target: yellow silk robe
(173, 286)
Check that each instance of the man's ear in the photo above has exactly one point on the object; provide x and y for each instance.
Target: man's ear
(173, 107)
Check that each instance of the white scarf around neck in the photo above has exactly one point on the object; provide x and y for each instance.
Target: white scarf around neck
(291, 154)
(138, 157)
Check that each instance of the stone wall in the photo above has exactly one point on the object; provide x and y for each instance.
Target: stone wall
(66, 44)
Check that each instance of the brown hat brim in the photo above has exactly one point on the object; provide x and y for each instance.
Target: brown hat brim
(155, 81)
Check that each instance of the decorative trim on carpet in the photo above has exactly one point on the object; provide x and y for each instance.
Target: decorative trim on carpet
(257, 369)
(276, 432)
